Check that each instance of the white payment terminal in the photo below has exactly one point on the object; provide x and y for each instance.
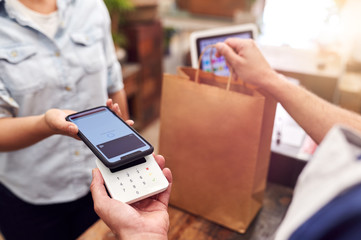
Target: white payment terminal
(134, 183)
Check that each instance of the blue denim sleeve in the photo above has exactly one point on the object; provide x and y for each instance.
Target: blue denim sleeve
(115, 79)
(115, 82)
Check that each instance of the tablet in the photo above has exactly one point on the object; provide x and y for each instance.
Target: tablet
(200, 39)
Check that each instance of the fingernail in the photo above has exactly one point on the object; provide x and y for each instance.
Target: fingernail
(71, 129)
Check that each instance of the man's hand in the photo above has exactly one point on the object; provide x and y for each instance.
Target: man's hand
(146, 219)
(245, 61)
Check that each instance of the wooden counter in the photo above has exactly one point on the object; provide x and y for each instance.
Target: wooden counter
(185, 226)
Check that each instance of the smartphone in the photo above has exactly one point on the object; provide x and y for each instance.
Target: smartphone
(111, 139)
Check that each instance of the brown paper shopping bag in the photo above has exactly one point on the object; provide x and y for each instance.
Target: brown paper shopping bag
(217, 144)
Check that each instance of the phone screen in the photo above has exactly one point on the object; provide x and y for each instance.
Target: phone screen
(110, 136)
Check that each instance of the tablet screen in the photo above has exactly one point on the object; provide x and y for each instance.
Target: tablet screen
(218, 64)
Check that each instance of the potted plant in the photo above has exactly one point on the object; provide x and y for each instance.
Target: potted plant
(117, 10)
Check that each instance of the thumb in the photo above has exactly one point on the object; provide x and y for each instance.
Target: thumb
(104, 206)
(72, 129)
(98, 191)
(97, 185)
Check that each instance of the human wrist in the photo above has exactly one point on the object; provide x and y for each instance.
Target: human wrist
(142, 236)
(40, 126)
(273, 83)
(269, 79)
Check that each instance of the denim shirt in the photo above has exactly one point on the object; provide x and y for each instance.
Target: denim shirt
(77, 69)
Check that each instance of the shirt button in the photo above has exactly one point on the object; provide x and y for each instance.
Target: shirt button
(57, 53)
(67, 88)
(76, 153)
(14, 53)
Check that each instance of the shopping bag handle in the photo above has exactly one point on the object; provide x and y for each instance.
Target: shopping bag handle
(199, 66)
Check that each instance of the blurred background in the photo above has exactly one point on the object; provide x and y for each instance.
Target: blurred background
(315, 42)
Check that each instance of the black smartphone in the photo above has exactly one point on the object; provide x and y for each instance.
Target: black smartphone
(111, 139)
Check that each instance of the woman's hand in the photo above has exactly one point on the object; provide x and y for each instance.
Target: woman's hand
(55, 120)
(56, 123)
(115, 108)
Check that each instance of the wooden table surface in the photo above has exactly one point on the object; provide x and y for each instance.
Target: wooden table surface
(188, 226)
